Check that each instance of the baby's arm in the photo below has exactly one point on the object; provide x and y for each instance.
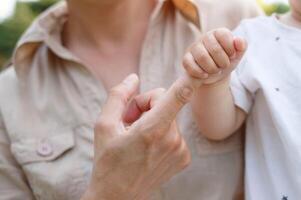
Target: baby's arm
(212, 59)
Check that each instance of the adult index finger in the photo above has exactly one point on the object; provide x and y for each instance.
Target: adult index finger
(181, 91)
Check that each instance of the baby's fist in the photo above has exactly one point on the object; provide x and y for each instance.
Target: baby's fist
(214, 56)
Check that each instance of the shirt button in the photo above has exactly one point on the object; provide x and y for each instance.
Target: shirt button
(44, 149)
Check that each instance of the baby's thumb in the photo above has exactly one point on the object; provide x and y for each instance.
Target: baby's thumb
(240, 45)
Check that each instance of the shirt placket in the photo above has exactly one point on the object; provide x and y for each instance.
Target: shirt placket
(150, 58)
(95, 96)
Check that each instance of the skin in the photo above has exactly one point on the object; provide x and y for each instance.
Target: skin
(132, 161)
(129, 161)
(211, 60)
(111, 36)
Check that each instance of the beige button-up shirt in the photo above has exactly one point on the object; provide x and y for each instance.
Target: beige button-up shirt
(49, 104)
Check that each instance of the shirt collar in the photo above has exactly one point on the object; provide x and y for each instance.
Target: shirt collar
(189, 10)
(48, 26)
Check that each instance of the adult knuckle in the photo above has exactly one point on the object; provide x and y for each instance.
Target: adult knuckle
(103, 125)
(186, 160)
(118, 93)
(184, 154)
(183, 93)
(147, 139)
(176, 143)
(148, 135)
(171, 145)
(165, 146)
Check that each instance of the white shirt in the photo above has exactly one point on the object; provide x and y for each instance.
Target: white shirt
(267, 86)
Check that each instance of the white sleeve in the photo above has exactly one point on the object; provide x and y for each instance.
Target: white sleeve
(242, 96)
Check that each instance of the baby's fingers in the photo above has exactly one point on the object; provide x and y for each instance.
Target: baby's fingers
(226, 40)
(203, 59)
(240, 44)
(192, 68)
(216, 51)
(241, 47)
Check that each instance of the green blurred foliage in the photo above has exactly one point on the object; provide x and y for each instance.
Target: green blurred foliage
(282, 8)
(13, 27)
(274, 7)
(39, 6)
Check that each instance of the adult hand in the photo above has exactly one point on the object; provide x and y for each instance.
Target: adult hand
(130, 162)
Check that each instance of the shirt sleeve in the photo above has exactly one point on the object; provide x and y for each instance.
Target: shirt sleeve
(243, 98)
(13, 184)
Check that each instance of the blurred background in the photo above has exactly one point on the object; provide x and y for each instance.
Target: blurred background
(16, 15)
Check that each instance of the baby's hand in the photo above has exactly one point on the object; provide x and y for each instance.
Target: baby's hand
(215, 56)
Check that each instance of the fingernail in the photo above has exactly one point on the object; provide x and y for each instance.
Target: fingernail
(130, 79)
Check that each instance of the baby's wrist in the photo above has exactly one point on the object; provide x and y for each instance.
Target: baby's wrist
(225, 82)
